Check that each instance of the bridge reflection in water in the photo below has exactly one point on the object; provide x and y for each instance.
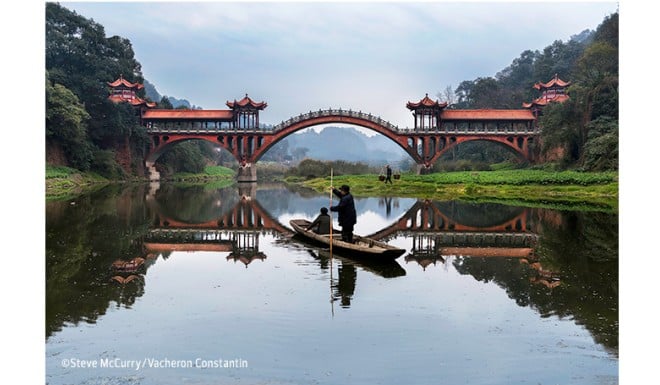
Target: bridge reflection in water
(436, 230)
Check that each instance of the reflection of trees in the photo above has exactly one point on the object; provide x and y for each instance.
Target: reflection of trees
(587, 267)
(83, 239)
(195, 204)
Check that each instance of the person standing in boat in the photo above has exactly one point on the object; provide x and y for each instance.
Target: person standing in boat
(345, 209)
(321, 224)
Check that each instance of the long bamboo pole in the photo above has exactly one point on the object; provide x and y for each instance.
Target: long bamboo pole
(330, 212)
(332, 303)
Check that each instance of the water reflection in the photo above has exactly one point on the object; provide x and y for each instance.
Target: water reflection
(99, 248)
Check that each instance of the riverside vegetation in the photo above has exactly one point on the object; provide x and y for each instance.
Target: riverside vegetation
(529, 187)
(525, 187)
(65, 182)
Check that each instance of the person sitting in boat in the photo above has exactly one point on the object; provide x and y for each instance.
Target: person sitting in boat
(346, 209)
(321, 224)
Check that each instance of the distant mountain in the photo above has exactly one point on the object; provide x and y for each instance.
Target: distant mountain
(153, 95)
(349, 144)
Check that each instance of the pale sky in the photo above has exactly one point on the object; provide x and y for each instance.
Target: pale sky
(302, 56)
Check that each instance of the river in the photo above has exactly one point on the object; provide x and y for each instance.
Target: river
(200, 285)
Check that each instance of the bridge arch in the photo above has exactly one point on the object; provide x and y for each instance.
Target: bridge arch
(517, 144)
(336, 116)
(165, 142)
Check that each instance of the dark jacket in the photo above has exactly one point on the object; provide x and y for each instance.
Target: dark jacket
(321, 224)
(345, 208)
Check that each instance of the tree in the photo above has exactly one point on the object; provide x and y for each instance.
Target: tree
(602, 147)
(165, 103)
(561, 130)
(66, 124)
(299, 152)
(447, 95)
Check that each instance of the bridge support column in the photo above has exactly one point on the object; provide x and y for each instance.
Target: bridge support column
(422, 169)
(153, 174)
(248, 191)
(247, 173)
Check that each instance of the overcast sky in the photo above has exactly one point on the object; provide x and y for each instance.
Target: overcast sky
(302, 56)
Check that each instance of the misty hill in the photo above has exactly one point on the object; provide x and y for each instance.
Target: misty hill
(153, 95)
(343, 143)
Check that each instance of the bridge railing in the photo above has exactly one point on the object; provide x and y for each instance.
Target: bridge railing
(463, 131)
(335, 112)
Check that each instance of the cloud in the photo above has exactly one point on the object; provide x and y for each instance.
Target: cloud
(299, 56)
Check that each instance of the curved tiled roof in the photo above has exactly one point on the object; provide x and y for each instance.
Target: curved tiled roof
(543, 101)
(485, 114)
(135, 101)
(188, 114)
(123, 82)
(245, 102)
(425, 102)
(554, 82)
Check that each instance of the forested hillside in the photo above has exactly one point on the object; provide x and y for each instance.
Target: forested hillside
(582, 132)
(86, 131)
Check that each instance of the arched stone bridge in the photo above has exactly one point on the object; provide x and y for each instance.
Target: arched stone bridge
(514, 129)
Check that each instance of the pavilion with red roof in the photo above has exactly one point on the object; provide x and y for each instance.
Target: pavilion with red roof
(552, 91)
(426, 112)
(124, 91)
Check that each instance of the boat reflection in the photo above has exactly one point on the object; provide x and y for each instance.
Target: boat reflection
(343, 287)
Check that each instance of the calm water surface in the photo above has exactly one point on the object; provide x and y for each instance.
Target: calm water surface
(206, 286)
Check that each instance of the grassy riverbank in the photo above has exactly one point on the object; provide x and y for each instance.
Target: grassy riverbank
(565, 189)
(212, 176)
(64, 182)
(532, 188)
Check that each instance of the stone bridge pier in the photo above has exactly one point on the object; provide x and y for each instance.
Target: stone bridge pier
(247, 173)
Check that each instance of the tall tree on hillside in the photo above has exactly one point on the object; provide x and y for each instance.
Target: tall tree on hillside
(518, 78)
(66, 125)
(165, 103)
(81, 58)
(447, 95)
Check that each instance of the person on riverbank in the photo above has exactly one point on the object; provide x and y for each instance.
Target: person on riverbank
(321, 224)
(347, 217)
(388, 174)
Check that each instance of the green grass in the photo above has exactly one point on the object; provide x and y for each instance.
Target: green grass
(60, 172)
(565, 189)
(212, 177)
(64, 182)
(210, 172)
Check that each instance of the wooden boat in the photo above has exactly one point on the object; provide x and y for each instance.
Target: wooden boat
(361, 248)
